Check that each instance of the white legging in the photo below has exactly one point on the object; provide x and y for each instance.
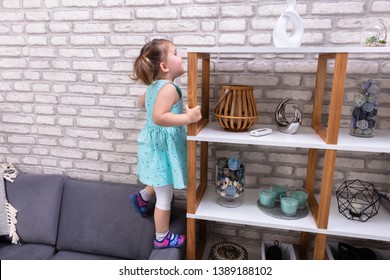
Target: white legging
(164, 196)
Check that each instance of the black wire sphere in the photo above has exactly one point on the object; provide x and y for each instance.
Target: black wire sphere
(358, 200)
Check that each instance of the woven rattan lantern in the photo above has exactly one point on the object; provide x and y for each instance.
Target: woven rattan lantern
(236, 109)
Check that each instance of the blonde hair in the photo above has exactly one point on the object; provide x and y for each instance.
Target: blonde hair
(147, 64)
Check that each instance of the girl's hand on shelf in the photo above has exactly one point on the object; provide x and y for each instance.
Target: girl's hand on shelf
(194, 114)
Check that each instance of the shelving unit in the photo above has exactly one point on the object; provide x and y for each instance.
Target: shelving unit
(322, 220)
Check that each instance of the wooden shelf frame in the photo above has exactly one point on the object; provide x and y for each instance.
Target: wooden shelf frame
(320, 210)
(330, 135)
(194, 194)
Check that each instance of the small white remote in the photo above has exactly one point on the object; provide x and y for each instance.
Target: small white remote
(261, 132)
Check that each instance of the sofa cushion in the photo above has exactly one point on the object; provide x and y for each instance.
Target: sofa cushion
(98, 218)
(26, 251)
(70, 255)
(38, 201)
(166, 254)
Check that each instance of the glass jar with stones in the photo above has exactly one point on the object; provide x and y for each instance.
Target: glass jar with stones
(230, 178)
(365, 109)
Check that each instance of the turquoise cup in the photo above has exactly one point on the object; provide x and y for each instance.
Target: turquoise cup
(301, 196)
(288, 205)
(280, 190)
(267, 198)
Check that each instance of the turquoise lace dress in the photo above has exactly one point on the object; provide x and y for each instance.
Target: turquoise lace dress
(162, 151)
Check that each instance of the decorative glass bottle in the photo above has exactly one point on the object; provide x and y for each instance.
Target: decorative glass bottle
(365, 109)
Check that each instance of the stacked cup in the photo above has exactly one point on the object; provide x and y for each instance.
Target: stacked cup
(289, 204)
(301, 196)
(267, 198)
(280, 189)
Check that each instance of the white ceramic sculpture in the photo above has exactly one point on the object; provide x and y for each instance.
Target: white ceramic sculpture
(280, 36)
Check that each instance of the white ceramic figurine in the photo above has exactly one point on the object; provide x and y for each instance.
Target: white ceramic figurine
(280, 35)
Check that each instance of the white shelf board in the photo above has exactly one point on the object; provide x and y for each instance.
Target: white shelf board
(315, 50)
(306, 137)
(247, 214)
(379, 143)
(376, 228)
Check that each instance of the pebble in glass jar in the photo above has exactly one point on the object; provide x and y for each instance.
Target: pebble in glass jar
(230, 177)
(365, 109)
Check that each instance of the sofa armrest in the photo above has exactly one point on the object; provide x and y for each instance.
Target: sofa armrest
(165, 254)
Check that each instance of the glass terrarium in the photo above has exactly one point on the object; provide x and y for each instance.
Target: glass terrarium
(230, 178)
(376, 38)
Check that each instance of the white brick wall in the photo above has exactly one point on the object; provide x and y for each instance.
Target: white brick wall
(67, 104)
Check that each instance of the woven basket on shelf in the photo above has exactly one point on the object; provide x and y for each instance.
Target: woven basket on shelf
(236, 109)
(226, 250)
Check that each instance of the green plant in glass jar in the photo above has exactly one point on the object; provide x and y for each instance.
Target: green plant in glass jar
(379, 39)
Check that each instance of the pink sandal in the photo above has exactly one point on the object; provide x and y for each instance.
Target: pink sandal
(171, 240)
(140, 205)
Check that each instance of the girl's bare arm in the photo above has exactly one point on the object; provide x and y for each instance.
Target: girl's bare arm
(162, 116)
(141, 100)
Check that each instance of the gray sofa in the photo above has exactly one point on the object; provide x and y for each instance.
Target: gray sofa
(62, 218)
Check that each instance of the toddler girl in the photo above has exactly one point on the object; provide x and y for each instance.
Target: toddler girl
(162, 144)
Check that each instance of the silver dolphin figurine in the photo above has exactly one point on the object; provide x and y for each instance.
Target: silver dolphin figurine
(280, 117)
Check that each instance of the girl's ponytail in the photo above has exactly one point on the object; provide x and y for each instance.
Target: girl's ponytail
(143, 70)
(147, 64)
